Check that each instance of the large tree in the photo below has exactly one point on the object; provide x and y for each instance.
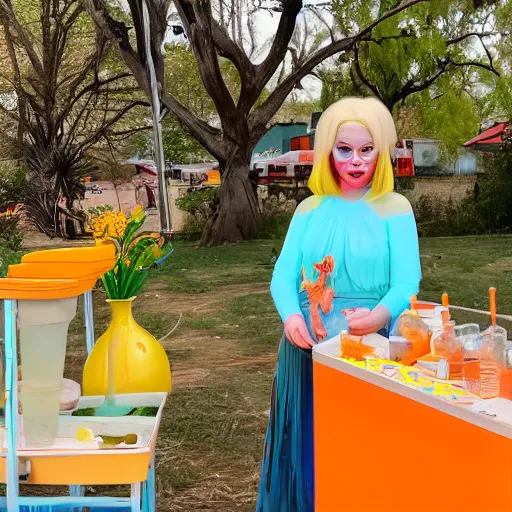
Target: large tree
(429, 65)
(243, 119)
(64, 92)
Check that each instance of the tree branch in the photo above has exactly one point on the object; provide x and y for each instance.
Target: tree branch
(477, 65)
(206, 135)
(279, 47)
(265, 112)
(198, 15)
(379, 40)
(230, 50)
(456, 40)
(104, 128)
(118, 32)
(7, 11)
(92, 88)
(127, 133)
(361, 76)
(410, 87)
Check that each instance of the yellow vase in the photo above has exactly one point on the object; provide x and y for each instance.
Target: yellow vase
(139, 363)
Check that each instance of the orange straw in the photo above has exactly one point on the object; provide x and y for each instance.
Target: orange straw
(492, 300)
(445, 302)
(414, 300)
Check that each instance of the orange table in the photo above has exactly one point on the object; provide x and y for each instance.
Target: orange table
(382, 446)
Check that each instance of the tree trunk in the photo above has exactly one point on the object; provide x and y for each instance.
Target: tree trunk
(238, 214)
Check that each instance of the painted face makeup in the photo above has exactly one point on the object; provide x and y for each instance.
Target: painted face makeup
(354, 156)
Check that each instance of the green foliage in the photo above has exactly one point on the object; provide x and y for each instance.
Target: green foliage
(403, 184)
(497, 103)
(405, 64)
(178, 145)
(294, 109)
(492, 205)
(13, 182)
(193, 200)
(10, 235)
(7, 257)
(11, 242)
(452, 118)
(487, 210)
(99, 209)
(137, 252)
(274, 226)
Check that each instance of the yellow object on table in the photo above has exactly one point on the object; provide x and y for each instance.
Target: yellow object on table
(84, 435)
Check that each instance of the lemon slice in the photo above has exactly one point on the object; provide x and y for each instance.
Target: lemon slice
(84, 435)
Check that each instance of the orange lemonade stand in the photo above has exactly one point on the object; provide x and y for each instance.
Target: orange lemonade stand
(389, 438)
(41, 444)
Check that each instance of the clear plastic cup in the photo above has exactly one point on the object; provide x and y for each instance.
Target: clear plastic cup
(40, 423)
(43, 332)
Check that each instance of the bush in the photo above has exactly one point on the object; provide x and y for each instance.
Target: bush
(193, 200)
(274, 226)
(453, 219)
(7, 257)
(487, 210)
(427, 209)
(10, 236)
(13, 183)
(99, 209)
(193, 228)
(404, 184)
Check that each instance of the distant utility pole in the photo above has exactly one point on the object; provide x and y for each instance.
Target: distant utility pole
(163, 203)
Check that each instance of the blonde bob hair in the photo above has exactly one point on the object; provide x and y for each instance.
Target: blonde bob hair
(377, 119)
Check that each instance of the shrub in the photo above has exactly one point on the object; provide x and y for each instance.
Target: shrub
(404, 184)
(193, 229)
(427, 209)
(10, 236)
(193, 200)
(7, 257)
(487, 210)
(274, 226)
(13, 183)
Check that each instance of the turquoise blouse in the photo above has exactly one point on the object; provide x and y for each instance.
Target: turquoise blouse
(374, 244)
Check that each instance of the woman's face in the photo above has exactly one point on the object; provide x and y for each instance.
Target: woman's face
(355, 156)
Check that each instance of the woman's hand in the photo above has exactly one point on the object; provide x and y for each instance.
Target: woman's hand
(352, 314)
(372, 322)
(296, 331)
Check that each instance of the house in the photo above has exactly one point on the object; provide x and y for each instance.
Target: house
(277, 139)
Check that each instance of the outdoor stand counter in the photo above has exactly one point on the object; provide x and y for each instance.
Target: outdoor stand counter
(39, 444)
(382, 446)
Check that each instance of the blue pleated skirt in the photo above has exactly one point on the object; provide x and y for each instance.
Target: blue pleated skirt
(287, 472)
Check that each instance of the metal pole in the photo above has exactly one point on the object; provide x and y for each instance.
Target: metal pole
(163, 204)
(11, 404)
(89, 321)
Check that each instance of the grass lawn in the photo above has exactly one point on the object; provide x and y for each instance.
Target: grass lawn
(223, 354)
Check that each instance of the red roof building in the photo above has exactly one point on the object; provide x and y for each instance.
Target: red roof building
(490, 139)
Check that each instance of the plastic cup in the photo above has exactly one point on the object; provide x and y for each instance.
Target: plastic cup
(43, 333)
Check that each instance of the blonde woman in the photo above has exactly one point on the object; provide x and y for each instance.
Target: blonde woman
(350, 261)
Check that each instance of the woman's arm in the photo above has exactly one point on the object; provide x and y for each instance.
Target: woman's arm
(404, 264)
(404, 267)
(286, 279)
